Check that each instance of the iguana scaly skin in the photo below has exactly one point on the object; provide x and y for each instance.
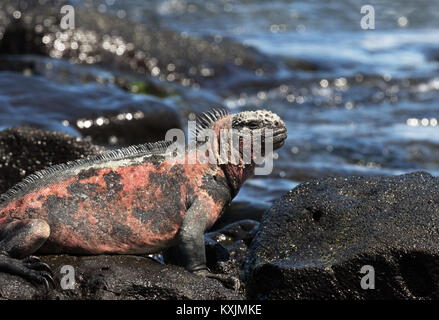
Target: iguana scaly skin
(127, 201)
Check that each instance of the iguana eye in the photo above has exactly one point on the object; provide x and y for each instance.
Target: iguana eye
(253, 125)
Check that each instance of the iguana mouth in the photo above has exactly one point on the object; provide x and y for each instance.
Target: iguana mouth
(279, 137)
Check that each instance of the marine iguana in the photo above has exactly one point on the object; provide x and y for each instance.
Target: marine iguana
(126, 201)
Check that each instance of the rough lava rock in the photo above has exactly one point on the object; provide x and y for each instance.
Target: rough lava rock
(117, 278)
(145, 121)
(314, 241)
(24, 150)
(226, 248)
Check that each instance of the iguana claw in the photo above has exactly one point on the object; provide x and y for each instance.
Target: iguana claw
(31, 268)
(35, 263)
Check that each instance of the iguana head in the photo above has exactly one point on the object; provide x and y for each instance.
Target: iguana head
(250, 133)
(242, 124)
(260, 121)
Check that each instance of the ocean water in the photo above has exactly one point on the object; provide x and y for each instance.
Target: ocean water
(363, 102)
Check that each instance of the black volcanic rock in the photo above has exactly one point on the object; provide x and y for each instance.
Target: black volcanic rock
(134, 124)
(226, 248)
(117, 278)
(24, 150)
(314, 241)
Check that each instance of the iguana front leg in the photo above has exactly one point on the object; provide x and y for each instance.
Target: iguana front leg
(190, 252)
(18, 240)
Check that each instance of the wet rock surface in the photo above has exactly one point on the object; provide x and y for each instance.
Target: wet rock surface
(24, 150)
(111, 41)
(115, 118)
(136, 124)
(314, 241)
(118, 278)
(226, 248)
